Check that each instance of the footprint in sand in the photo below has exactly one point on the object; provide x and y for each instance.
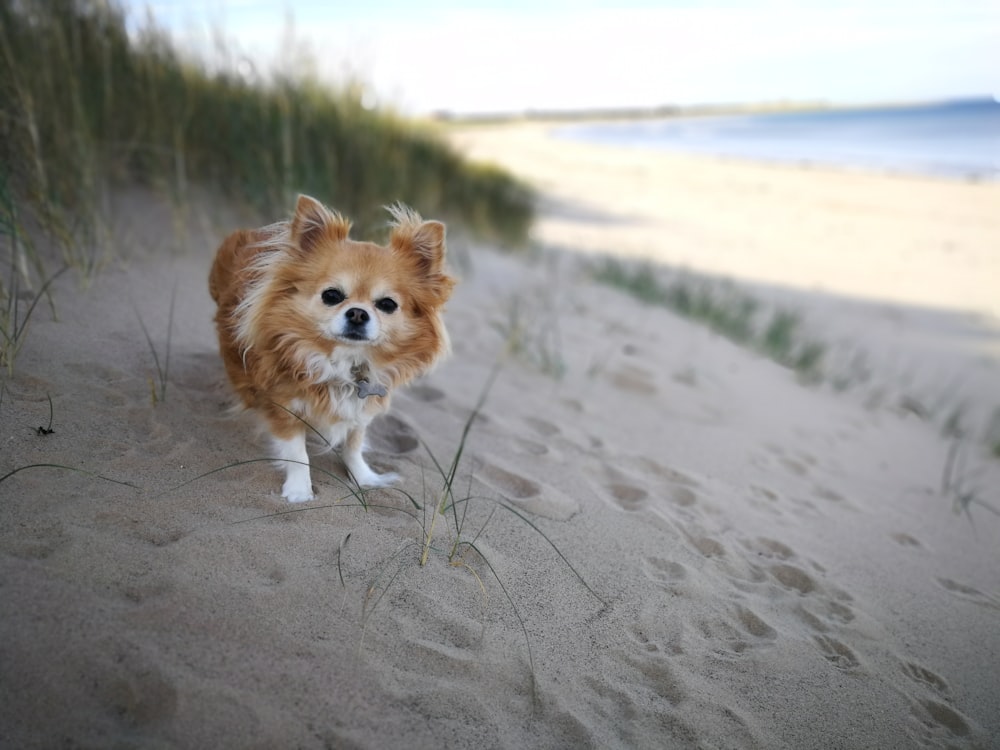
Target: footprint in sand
(905, 540)
(811, 621)
(941, 723)
(543, 428)
(923, 676)
(663, 572)
(622, 491)
(770, 548)
(527, 494)
(624, 699)
(825, 493)
(391, 434)
(634, 380)
(940, 720)
(839, 612)
(764, 493)
(970, 594)
(828, 614)
(512, 485)
(36, 541)
(655, 468)
(682, 496)
(798, 464)
(530, 447)
(795, 467)
(707, 546)
(837, 653)
(638, 635)
(573, 405)
(793, 578)
(754, 625)
(725, 638)
(627, 496)
(160, 536)
(670, 485)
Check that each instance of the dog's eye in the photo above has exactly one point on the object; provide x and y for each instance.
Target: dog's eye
(387, 305)
(332, 297)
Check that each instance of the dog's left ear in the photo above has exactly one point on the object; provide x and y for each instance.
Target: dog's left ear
(419, 240)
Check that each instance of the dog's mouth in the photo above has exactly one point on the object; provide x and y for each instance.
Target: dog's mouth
(356, 336)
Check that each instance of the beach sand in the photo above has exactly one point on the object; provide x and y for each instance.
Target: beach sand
(764, 563)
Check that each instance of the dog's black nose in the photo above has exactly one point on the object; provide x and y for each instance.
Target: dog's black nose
(356, 316)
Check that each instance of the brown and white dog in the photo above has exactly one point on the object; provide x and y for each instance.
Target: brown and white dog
(316, 330)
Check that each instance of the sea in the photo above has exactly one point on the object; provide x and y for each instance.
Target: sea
(959, 139)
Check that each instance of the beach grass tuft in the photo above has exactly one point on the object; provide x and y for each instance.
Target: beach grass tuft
(958, 483)
(725, 309)
(531, 334)
(158, 387)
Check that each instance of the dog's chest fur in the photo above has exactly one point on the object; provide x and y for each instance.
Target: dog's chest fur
(338, 377)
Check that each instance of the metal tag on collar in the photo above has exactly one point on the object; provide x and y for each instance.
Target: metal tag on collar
(365, 388)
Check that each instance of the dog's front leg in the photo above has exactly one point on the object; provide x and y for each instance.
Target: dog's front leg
(291, 454)
(363, 474)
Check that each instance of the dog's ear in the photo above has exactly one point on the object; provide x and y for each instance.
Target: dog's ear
(420, 240)
(313, 222)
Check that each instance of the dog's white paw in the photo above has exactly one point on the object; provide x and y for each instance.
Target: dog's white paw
(384, 480)
(295, 491)
(365, 477)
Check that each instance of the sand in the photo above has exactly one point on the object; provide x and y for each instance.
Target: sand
(773, 564)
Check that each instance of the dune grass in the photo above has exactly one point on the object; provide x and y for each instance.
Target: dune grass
(724, 309)
(86, 108)
(959, 484)
(158, 386)
(539, 346)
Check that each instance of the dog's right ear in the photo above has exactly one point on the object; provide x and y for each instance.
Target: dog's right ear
(313, 222)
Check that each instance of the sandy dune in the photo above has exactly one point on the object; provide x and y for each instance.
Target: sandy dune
(772, 565)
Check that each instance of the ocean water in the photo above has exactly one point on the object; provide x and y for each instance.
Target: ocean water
(954, 139)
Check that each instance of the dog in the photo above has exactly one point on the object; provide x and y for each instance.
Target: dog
(317, 330)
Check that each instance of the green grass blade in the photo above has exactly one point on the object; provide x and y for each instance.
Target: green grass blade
(357, 493)
(365, 611)
(335, 504)
(552, 544)
(340, 555)
(149, 342)
(166, 356)
(91, 474)
(517, 613)
(19, 329)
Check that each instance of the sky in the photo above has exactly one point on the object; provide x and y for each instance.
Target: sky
(475, 57)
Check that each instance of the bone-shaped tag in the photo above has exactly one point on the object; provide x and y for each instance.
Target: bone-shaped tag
(366, 389)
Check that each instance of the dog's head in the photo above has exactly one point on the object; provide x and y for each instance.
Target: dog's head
(382, 302)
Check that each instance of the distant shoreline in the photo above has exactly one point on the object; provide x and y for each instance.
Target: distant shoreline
(668, 111)
(955, 139)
